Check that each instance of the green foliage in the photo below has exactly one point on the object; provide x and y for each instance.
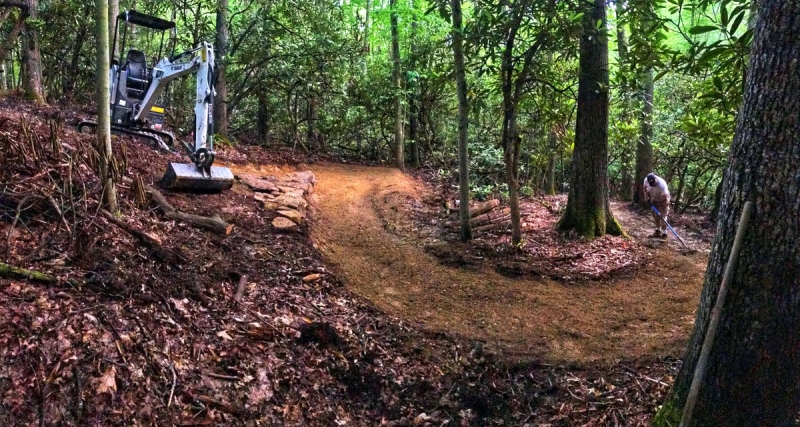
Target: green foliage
(316, 75)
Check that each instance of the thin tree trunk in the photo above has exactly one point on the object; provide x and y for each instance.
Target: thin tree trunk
(113, 11)
(463, 112)
(752, 377)
(397, 83)
(413, 99)
(366, 28)
(262, 120)
(626, 188)
(103, 102)
(550, 173)
(221, 56)
(588, 211)
(644, 148)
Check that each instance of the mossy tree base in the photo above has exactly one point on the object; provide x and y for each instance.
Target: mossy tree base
(590, 222)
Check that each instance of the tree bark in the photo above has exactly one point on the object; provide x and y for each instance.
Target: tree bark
(221, 55)
(413, 98)
(31, 56)
(626, 187)
(588, 211)
(463, 116)
(644, 148)
(113, 11)
(102, 95)
(262, 120)
(752, 376)
(397, 84)
(550, 173)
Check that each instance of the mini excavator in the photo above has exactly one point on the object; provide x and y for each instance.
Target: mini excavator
(136, 109)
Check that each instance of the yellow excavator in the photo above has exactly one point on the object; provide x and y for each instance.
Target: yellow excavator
(136, 109)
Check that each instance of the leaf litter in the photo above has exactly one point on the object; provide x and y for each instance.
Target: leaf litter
(136, 336)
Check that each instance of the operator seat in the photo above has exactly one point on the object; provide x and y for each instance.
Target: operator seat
(137, 80)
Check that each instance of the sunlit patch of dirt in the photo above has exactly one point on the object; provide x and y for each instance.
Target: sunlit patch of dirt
(374, 227)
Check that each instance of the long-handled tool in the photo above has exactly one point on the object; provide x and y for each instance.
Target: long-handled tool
(670, 228)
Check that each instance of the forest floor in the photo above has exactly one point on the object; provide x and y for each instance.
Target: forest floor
(365, 317)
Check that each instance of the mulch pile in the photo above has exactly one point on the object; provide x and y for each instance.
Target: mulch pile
(245, 329)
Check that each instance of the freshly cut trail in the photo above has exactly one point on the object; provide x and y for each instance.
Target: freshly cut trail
(362, 232)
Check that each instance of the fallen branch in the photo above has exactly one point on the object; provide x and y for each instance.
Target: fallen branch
(213, 223)
(146, 238)
(240, 289)
(11, 272)
(495, 226)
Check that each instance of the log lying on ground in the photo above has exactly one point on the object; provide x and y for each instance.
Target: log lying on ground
(213, 223)
(486, 218)
(146, 238)
(478, 208)
(11, 272)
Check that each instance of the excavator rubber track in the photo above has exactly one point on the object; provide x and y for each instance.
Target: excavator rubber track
(189, 177)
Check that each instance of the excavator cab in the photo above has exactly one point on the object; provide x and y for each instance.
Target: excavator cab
(131, 76)
(136, 107)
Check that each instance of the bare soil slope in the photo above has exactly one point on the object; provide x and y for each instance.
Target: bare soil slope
(364, 229)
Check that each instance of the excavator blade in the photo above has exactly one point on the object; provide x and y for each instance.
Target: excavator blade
(188, 177)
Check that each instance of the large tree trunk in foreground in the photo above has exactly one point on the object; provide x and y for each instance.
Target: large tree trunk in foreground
(31, 56)
(588, 211)
(753, 374)
(463, 112)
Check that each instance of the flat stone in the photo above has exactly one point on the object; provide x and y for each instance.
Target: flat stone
(270, 206)
(291, 201)
(263, 197)
(293, 215)
(297, 192)
(284, 224)
(259, 184)
(304, 176)
(295, 186)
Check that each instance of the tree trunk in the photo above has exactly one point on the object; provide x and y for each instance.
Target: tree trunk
(463, 116)
(550, 173)
(113, 11)
(262, 121)
(366, 28)
(397, 84)
(644, 149)
(752, 376)
(221, 56)
(588, 211)
(31, 56)
(68, 83)
(102, 96)
(313, 116)
(413, 99)
(626, 187)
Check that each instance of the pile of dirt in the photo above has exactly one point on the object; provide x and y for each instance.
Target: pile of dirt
(250, 328)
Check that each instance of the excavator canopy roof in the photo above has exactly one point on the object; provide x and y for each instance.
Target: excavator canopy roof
(138, 18)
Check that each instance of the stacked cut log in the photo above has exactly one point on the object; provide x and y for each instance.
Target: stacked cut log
(484, 216)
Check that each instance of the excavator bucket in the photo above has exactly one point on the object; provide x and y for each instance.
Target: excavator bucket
(188, 177)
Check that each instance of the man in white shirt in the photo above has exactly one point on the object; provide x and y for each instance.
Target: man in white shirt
(657, 194)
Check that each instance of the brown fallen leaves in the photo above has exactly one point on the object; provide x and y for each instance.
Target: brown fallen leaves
(131, 327)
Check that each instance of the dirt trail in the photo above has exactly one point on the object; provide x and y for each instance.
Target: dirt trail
(647, 312)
